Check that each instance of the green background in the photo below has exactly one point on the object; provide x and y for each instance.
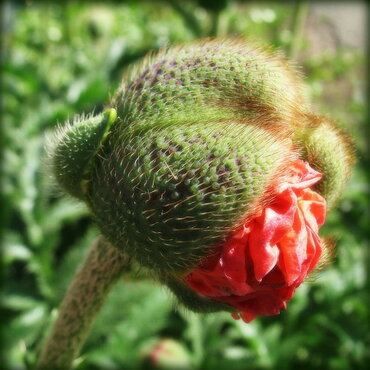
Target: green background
(65, 58)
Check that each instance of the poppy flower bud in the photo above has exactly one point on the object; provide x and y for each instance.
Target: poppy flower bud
(213, 147)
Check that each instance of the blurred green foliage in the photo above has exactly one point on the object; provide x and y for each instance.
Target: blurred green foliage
(64, 58)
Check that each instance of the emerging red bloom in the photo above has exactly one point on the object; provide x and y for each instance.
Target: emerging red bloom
(261, 264)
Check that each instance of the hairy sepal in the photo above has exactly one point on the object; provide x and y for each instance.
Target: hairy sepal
(76, 146)
(330, 151)
(167, 195)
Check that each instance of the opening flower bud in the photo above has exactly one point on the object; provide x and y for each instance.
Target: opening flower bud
(258, 267)
(206, 177)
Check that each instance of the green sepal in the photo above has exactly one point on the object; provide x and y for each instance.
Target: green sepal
(194, 301)
(168, 195)
(331, 153)
(77, 147)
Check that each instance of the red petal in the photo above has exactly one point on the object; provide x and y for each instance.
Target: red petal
(293, 250)
(276, 220)
(313, 206)
(304, 176)
(314, 249)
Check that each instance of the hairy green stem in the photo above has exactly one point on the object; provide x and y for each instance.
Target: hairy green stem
(101, 268)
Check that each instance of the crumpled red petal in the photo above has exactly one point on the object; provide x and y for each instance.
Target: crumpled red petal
(260, 265)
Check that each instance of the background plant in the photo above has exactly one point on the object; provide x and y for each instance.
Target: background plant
(64, 58)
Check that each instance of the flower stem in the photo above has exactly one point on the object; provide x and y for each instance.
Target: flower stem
(99, 271)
